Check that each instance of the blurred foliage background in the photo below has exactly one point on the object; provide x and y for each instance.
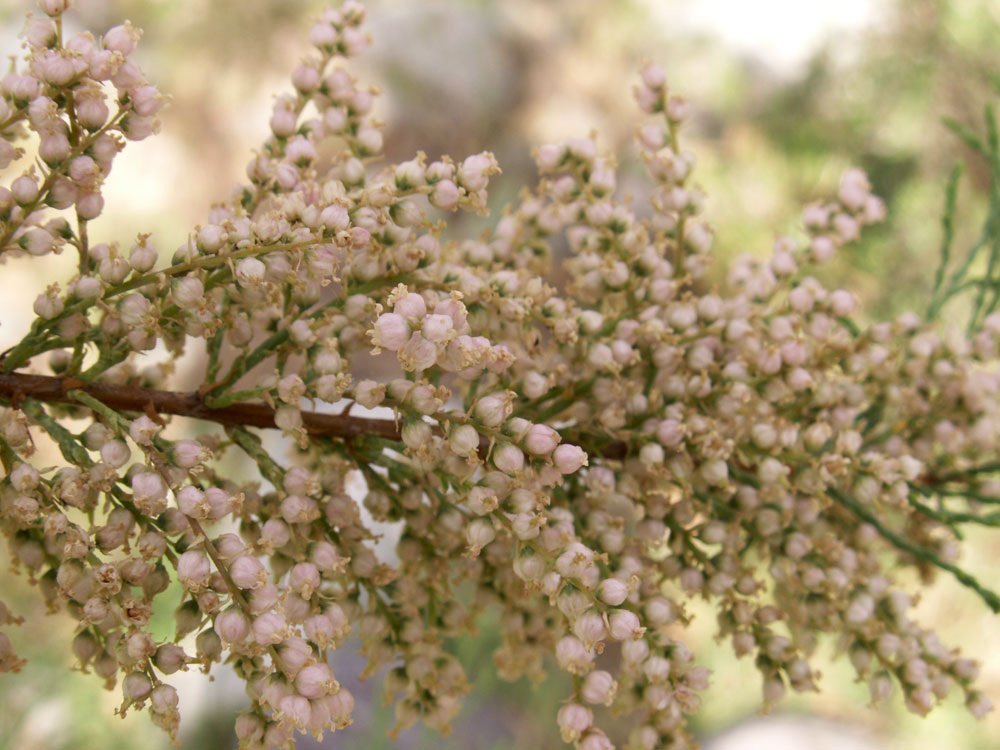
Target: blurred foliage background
(785, 96)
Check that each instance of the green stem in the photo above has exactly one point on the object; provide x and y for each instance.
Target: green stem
(901, 542)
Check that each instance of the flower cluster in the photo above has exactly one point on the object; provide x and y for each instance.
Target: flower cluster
(578, 457)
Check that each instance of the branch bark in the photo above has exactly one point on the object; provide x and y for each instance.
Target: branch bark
(54, 390)
(15, 386)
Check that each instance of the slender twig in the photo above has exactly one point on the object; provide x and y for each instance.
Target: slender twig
(922, 553)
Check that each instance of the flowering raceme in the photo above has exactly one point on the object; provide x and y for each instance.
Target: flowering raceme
(578, 459)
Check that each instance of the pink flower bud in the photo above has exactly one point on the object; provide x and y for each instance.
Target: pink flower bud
(136, 687)
(541, 440)
(574, 720)
(48, 306)
(115, 453)
(475, 171)
(53, 7)
(549, 156)
(391, 331)
(304, 579)
(491, 410)
(316, 681)
(57, 68)
(612, 591)
(573, 656)
(445, 195)
(599, 688)
(660, 611)
(417, 354)
(192, 503)
(232, 625)
(24, 189)
(190, 453)
(23, 88)
(298, 509)
(169, 658)
(323, 35)
(340, 705)
(464, 440)
(529, 567)
(250, 272)
(589, 628)
(194, 569)
(305, 77)
(715, 471)
(300, 151)
(164, 699)
(854, 189)
(842, 302)
(143, 429)
(296, 710)
(149, 493)
(189, 292)
(142, 256)
(122, 38)
(248, 572)
(135, 127)
(92, 111)
(38, 242)
(653, 76)
(284, 120)
(569, 458)
(437, 328)
(24, 478)
(270, 628)
(595, 739)
(211, 237)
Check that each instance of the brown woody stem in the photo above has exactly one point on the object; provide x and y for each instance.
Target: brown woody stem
(16, 386)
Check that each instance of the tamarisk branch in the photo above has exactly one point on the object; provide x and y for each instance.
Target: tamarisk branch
(56, 390)
(14, 386)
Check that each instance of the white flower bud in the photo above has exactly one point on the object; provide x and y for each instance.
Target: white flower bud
(464, 440)
(715, 471)
(115, 453)
(479, 533)
(529, 567)
(508, 458)
(612, 591)
(189, 292)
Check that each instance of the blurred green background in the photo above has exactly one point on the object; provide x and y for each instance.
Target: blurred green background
(786, 94)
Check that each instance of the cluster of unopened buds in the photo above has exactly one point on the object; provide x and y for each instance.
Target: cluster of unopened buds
(576, 459)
